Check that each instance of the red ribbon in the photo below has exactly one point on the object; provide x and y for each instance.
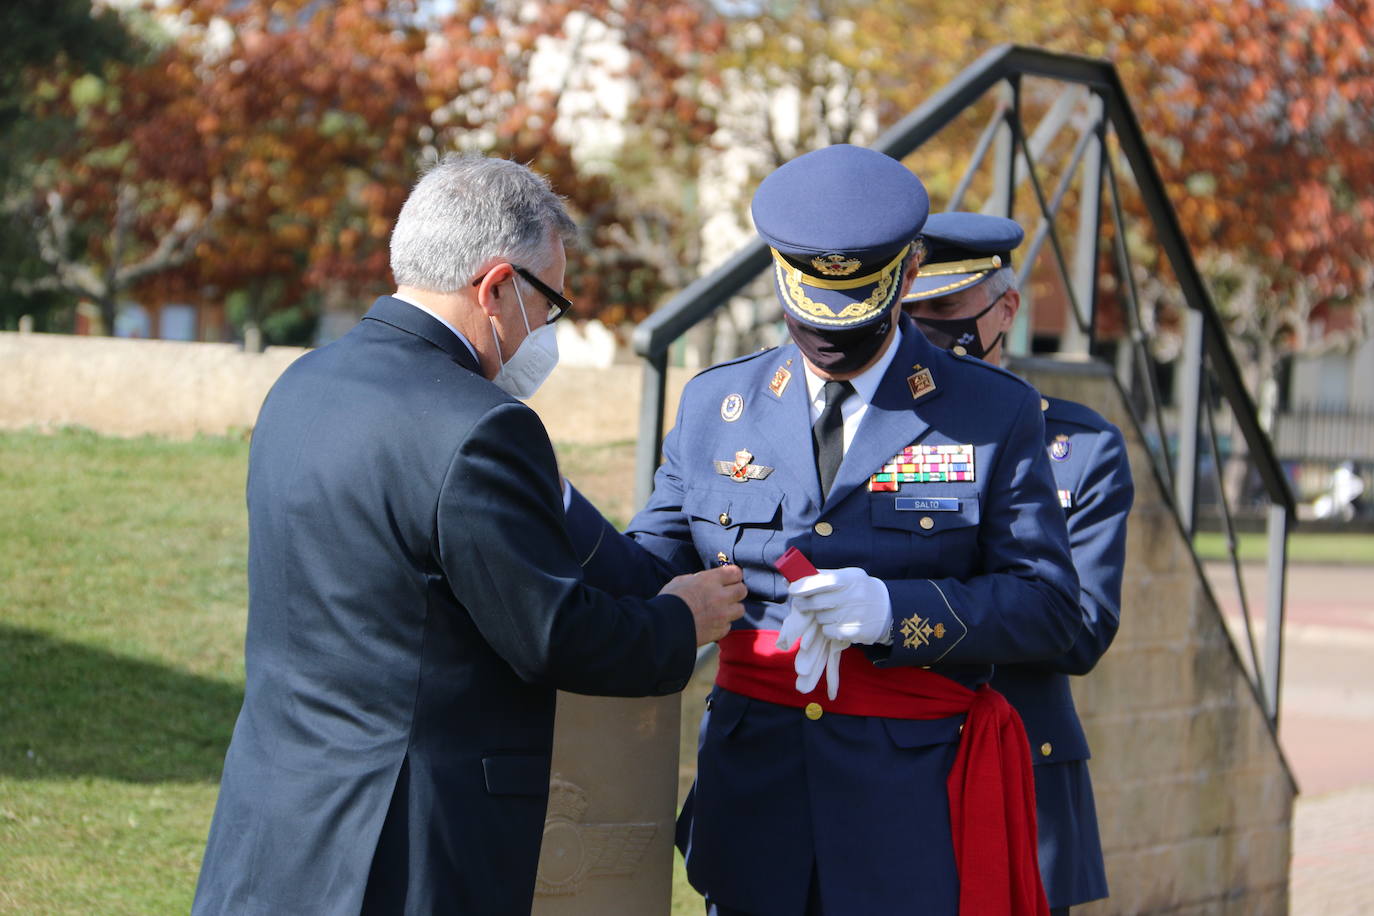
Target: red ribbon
(991, 787)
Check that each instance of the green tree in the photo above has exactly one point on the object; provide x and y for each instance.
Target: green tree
(46, 41)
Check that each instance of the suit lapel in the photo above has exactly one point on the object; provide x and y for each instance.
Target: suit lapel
(894, 418)
(785, 422)
(406, 317)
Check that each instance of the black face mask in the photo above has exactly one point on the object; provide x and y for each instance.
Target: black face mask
(838, 352)
(948, 333)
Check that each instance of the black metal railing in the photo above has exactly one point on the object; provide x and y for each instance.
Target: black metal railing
(1207, 381)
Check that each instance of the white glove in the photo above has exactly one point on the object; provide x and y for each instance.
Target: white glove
(816, 654)
(849, 605)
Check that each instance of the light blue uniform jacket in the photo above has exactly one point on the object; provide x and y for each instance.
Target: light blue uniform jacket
(978, 573)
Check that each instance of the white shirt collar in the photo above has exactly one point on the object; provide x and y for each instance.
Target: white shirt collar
(439, 318)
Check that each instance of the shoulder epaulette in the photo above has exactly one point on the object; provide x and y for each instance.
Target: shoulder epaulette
(1065, 411)
(736, 361)
(967, 360)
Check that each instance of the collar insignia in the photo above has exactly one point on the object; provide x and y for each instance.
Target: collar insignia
(780, 379)
(732, 407)
(1059, 448)
(920, 382)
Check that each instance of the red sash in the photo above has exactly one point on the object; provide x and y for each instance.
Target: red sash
(991, 789)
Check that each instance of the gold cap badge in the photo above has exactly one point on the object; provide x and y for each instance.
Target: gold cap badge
(835, 265)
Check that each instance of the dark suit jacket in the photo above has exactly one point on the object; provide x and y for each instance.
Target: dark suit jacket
(414, 603)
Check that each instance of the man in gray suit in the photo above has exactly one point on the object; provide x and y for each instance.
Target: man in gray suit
(414, 599)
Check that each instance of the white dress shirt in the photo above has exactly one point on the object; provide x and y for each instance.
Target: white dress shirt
(439, 318)
(853, 408)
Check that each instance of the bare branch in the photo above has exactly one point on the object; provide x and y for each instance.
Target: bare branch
(178, 244)
(54, 240)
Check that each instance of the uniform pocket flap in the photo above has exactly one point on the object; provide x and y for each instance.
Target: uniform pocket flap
(924, 514)
(517, 774)
(1055, 735)
(726, 711)
(739, 505)
(922, 732)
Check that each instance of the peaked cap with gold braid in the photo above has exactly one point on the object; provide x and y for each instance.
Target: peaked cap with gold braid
(962, 250)
(841, 221)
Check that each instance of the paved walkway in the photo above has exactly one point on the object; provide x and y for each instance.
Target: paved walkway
(1333, 842)
(1326, 727)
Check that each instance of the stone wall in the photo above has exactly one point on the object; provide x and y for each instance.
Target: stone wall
(124, 387)
(1194, 797)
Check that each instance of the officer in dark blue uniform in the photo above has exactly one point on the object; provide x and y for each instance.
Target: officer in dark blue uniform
(965, 299)
(914, 480)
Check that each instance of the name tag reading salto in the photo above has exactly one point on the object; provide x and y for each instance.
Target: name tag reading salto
(926, 504)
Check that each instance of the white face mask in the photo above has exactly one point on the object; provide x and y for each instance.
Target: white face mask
(532, 361)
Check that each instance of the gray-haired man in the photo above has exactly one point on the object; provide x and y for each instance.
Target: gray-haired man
(414, 599)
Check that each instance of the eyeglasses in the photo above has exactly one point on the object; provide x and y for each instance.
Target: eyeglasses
(558, 303)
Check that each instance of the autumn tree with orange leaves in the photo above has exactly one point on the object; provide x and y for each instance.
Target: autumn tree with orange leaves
(1260, 115)
(263, 151)
(261, 154)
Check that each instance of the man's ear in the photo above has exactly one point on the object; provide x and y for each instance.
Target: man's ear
(488, 290)
(1007, 309)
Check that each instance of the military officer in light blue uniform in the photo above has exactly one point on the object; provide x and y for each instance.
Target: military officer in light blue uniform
(916, 483)
(965, 298)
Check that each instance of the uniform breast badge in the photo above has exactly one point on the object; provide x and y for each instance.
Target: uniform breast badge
(741, 470)
(1059, 448)
(920, 382)
(780, 379)
(924, 464)
(732, 407)
(916, 632)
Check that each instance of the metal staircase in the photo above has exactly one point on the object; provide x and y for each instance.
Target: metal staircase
(1107, 158)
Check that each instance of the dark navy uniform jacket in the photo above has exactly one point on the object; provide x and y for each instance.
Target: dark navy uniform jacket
(414, 602)
(1093, 478)
(978, 569)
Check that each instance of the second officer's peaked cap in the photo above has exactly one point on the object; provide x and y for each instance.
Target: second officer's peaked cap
(962, 250)
(841, 221)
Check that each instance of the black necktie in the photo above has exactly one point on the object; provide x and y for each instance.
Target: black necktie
(828, 434)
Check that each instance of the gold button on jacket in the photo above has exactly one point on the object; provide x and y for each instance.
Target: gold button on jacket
(824, 529)
(1046, 749)
(814, 711)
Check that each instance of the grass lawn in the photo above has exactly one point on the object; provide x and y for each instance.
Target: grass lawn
(1303, 547)
(122, 603)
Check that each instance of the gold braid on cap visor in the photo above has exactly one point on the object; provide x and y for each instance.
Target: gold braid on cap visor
(791, 280)
(970, 272)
